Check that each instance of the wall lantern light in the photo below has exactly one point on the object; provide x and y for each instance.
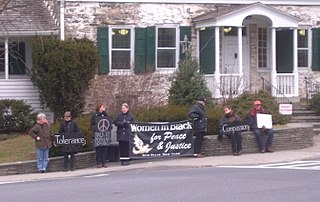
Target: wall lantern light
(302, 32)
(227, 29)
(123, 31)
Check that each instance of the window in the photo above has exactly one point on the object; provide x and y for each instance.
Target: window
(166, 48)
(121, 49)
(303, 48)
(16, 58)
(262, 47)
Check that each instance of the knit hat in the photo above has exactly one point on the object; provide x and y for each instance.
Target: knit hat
(257, 102)
(202, 98)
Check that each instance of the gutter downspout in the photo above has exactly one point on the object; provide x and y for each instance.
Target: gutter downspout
(62, 7)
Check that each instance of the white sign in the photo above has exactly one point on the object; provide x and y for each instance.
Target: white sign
(285, 109)
(264, 120)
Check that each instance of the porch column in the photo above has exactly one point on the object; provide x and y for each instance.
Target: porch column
(295, 62)
(6, 59)
(217, 63)
(273, 60)
(240, 59)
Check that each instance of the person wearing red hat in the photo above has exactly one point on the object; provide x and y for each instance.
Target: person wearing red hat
(259, 132)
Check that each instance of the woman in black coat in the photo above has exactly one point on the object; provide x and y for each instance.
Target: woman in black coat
(67, 127)
(122, 121)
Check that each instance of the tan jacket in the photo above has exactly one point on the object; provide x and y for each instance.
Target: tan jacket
(44, 132)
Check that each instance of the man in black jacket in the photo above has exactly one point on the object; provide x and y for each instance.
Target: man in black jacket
(200, 123)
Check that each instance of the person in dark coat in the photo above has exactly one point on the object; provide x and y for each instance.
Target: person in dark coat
(259, 132)
(200, 124)
(122, 121)
(101, 126)
(235, 137)
(67, 128)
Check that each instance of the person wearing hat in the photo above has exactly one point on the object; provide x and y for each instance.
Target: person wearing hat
(67, 128)
(41, 133)
(200, 123)
(259, 132)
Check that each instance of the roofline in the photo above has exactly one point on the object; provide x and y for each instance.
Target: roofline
(268, 2)
(30, 33)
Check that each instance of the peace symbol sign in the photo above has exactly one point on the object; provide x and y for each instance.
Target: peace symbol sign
(103, 125)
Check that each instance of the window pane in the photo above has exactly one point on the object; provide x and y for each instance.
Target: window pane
(1, 58)
(120, 60)
(302, 58)
(166, 37)
(302, 38)
(120, 38)
(262, 47)
(166, 58)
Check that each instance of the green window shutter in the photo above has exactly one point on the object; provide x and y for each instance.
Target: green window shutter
(207, 50)
(103, 49)
(184, 31)
(284, 47)
(140, 50)
(17, 58)
(151, 48)
(316, 49)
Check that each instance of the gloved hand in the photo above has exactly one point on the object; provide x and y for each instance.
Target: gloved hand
(220, 137)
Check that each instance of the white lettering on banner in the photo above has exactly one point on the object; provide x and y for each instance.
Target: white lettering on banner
(179, 146)
(172, 127)
(138, 128)
(61, 140)
(155, 137)
(181, 126)
(238, 128)
(169, 135)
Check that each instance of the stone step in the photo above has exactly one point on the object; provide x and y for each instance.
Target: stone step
(297, 119)
(304, 113)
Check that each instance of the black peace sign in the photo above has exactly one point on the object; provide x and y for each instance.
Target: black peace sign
(103, 125)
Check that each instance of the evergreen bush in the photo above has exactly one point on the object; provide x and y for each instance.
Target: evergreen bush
(62, 71)
(15, 116)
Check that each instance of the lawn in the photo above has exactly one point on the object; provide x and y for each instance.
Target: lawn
(19, 148)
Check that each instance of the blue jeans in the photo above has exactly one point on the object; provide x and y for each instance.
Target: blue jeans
(259, 137)
(42, 159)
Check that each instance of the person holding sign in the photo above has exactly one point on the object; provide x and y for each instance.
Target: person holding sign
(122, 122)
(230, 118)
(101, 125)
(41, 133)
(67, 128)
(200, 124)
(260, 127)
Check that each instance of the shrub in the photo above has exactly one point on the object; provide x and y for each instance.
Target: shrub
(15, 116)
(243, 104)
(315, 103)
(62, 71)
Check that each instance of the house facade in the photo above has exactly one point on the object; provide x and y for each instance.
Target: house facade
(241, 45)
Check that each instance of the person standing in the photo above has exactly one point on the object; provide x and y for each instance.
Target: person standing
(235, 137)
(41, 133)
(259, 132)
(200, 123)
(122, 121)
(101, 126)
(68, 128)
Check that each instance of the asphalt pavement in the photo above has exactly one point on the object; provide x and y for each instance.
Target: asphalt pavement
(181, 162)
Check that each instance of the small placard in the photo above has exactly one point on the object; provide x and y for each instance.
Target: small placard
(264, 120)
(285, 109)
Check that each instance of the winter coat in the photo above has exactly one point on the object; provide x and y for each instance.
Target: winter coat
(228, 118)
(198, 114)
(122, 122)
(44, 132)
(252, 118)
(66, 128)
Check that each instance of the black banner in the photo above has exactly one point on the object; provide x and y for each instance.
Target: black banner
(231, 127)
(69, 139)
(164, 139)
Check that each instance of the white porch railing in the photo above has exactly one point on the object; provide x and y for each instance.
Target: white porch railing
(230, 85)
(285, 85)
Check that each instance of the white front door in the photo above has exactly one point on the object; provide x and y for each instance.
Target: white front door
(230, 58)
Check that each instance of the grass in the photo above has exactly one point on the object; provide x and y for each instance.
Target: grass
(19, 148)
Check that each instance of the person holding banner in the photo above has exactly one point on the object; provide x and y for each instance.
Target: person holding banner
(101, 125)
(200, 124)
(230, 117)
(259, 132)
(67, 128)
(41, 133)
(122, 121)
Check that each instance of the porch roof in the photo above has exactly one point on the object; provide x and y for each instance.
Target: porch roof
(234, 15)
(26, 18)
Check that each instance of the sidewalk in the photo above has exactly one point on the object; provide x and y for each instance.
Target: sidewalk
(187, 162)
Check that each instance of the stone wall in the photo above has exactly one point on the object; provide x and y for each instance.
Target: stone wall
(284, 139)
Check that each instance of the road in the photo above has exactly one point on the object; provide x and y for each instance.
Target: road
(178, 184)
